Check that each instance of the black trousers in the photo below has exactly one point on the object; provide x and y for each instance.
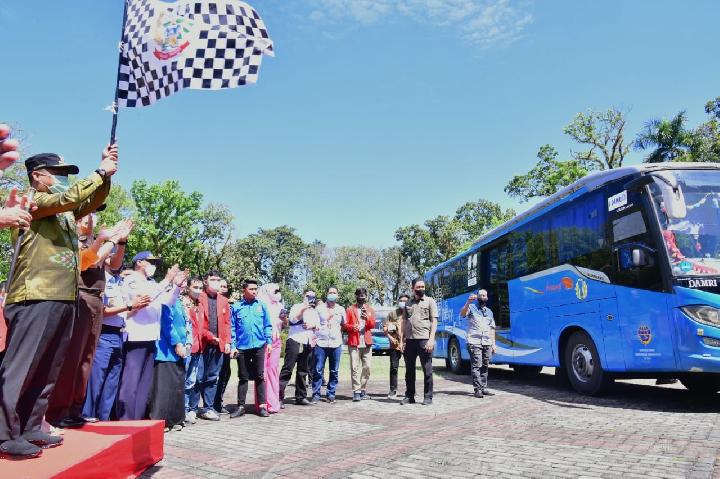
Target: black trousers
(295, 353)
(251, 365)
(167, 399)
(415, 348)
(223, 381)
(38, 336)
(395, 356)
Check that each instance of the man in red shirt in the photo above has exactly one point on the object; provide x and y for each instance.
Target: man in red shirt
(359, 325)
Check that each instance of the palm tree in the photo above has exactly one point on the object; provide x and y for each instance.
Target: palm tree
(669, 139)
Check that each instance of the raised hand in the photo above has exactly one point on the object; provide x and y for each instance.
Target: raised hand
(109, 161)
(8, 148)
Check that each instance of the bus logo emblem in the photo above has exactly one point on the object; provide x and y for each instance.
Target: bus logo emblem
(581, 289)
(644, 334)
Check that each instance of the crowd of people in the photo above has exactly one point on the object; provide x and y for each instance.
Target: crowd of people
(90, 337)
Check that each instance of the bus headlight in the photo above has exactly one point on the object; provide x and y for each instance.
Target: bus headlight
(703, 314)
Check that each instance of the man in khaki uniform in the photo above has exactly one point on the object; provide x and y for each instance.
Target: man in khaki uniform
(421, 315)
(40, 305)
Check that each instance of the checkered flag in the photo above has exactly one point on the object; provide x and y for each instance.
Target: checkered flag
(188, 44)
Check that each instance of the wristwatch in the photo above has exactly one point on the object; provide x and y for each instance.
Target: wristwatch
(129, 307)
(101, 172)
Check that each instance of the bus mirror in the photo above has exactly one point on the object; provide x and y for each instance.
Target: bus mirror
(639, 258)
(673, 197)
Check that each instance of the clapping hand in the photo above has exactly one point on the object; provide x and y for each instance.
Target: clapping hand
(15, 214)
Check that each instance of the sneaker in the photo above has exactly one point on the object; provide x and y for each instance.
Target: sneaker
(407, 400)
(427, 402)
(90, 420)
(331, 399)
(357, 397)
(19, 449)
(240, 411)
(486, 392)
(178, 427)
(364, 395)
(392, 395)
(302, 402)
(167, 429)
(209, 415)
(223, 410)
(478, 394)
(282, 404)
(315, 400)
(263, 412)
(191, 417)
(42, 439)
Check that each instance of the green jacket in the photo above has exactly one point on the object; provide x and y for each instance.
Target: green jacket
(47, 266)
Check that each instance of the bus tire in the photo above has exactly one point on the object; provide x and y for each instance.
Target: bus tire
(701, 385)
(582, 363)
(526, 371)
(454, 360)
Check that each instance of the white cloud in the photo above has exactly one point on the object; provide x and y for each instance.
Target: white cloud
(480, 22)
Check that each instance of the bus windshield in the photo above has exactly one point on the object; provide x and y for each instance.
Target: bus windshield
(688, 205)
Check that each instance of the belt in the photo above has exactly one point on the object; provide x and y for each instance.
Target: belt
(106, 328)
(92, 291)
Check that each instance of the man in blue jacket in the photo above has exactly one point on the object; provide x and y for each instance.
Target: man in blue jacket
(253, 339)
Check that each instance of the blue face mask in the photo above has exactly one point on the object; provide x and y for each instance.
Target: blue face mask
(332, 297)
(61, 185)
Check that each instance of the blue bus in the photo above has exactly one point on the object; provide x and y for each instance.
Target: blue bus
(615, 276)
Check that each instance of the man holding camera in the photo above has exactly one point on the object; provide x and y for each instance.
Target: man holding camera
(304, 320)
(41, 302)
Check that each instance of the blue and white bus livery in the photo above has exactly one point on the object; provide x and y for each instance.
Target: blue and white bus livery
(615, 276)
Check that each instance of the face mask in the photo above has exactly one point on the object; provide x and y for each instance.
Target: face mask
(419, 293)
(332, 297)
(401, 304)
(214, 285)
(360, 300)
(194, 294)
(482, 302)
(150, 270)
(61, 185)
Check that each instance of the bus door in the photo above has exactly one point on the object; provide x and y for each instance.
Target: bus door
(643, 315)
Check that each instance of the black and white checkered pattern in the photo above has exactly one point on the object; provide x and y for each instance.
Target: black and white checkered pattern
(226, 52)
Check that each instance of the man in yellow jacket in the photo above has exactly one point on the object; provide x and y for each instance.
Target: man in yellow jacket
(41, 302)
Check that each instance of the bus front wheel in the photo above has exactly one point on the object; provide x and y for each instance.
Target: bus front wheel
(583, 367)
(454, 358)
(701, 384)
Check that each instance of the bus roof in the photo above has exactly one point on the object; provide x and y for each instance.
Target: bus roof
(587, 183)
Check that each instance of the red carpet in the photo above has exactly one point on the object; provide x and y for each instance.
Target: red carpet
(104, 450)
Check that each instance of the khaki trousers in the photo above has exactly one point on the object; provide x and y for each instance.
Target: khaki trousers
(360, 367)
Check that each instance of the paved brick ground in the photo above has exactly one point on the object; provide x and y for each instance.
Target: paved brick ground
(529, 429)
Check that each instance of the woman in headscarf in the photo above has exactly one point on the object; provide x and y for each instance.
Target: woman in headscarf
(271, 296)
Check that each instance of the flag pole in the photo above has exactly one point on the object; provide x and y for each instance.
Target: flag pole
(117, 81)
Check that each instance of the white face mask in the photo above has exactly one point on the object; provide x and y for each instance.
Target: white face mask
(150, 270)
(214, 285)
(401, 304)
(194, 293)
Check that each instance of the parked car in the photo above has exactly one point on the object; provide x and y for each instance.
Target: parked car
(381, 343)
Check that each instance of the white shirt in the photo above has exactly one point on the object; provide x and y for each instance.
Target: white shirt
(297, 332)
(330, 335)
(144, 324)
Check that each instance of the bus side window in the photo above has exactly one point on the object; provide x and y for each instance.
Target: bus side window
(629, 230)
(493, 278)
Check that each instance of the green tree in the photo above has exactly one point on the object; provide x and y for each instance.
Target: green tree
(216, 228)
(118, 205)
(603, 132)
(705, 139)
(547, 177)
(167, 222)
(666, 140)
(478, 217)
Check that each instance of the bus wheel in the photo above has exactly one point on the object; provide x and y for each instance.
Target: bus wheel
(454, 358)
(583, 366)
(525, 371)
(701, 384)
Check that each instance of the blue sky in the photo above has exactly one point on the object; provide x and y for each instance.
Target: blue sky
(375, 113)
